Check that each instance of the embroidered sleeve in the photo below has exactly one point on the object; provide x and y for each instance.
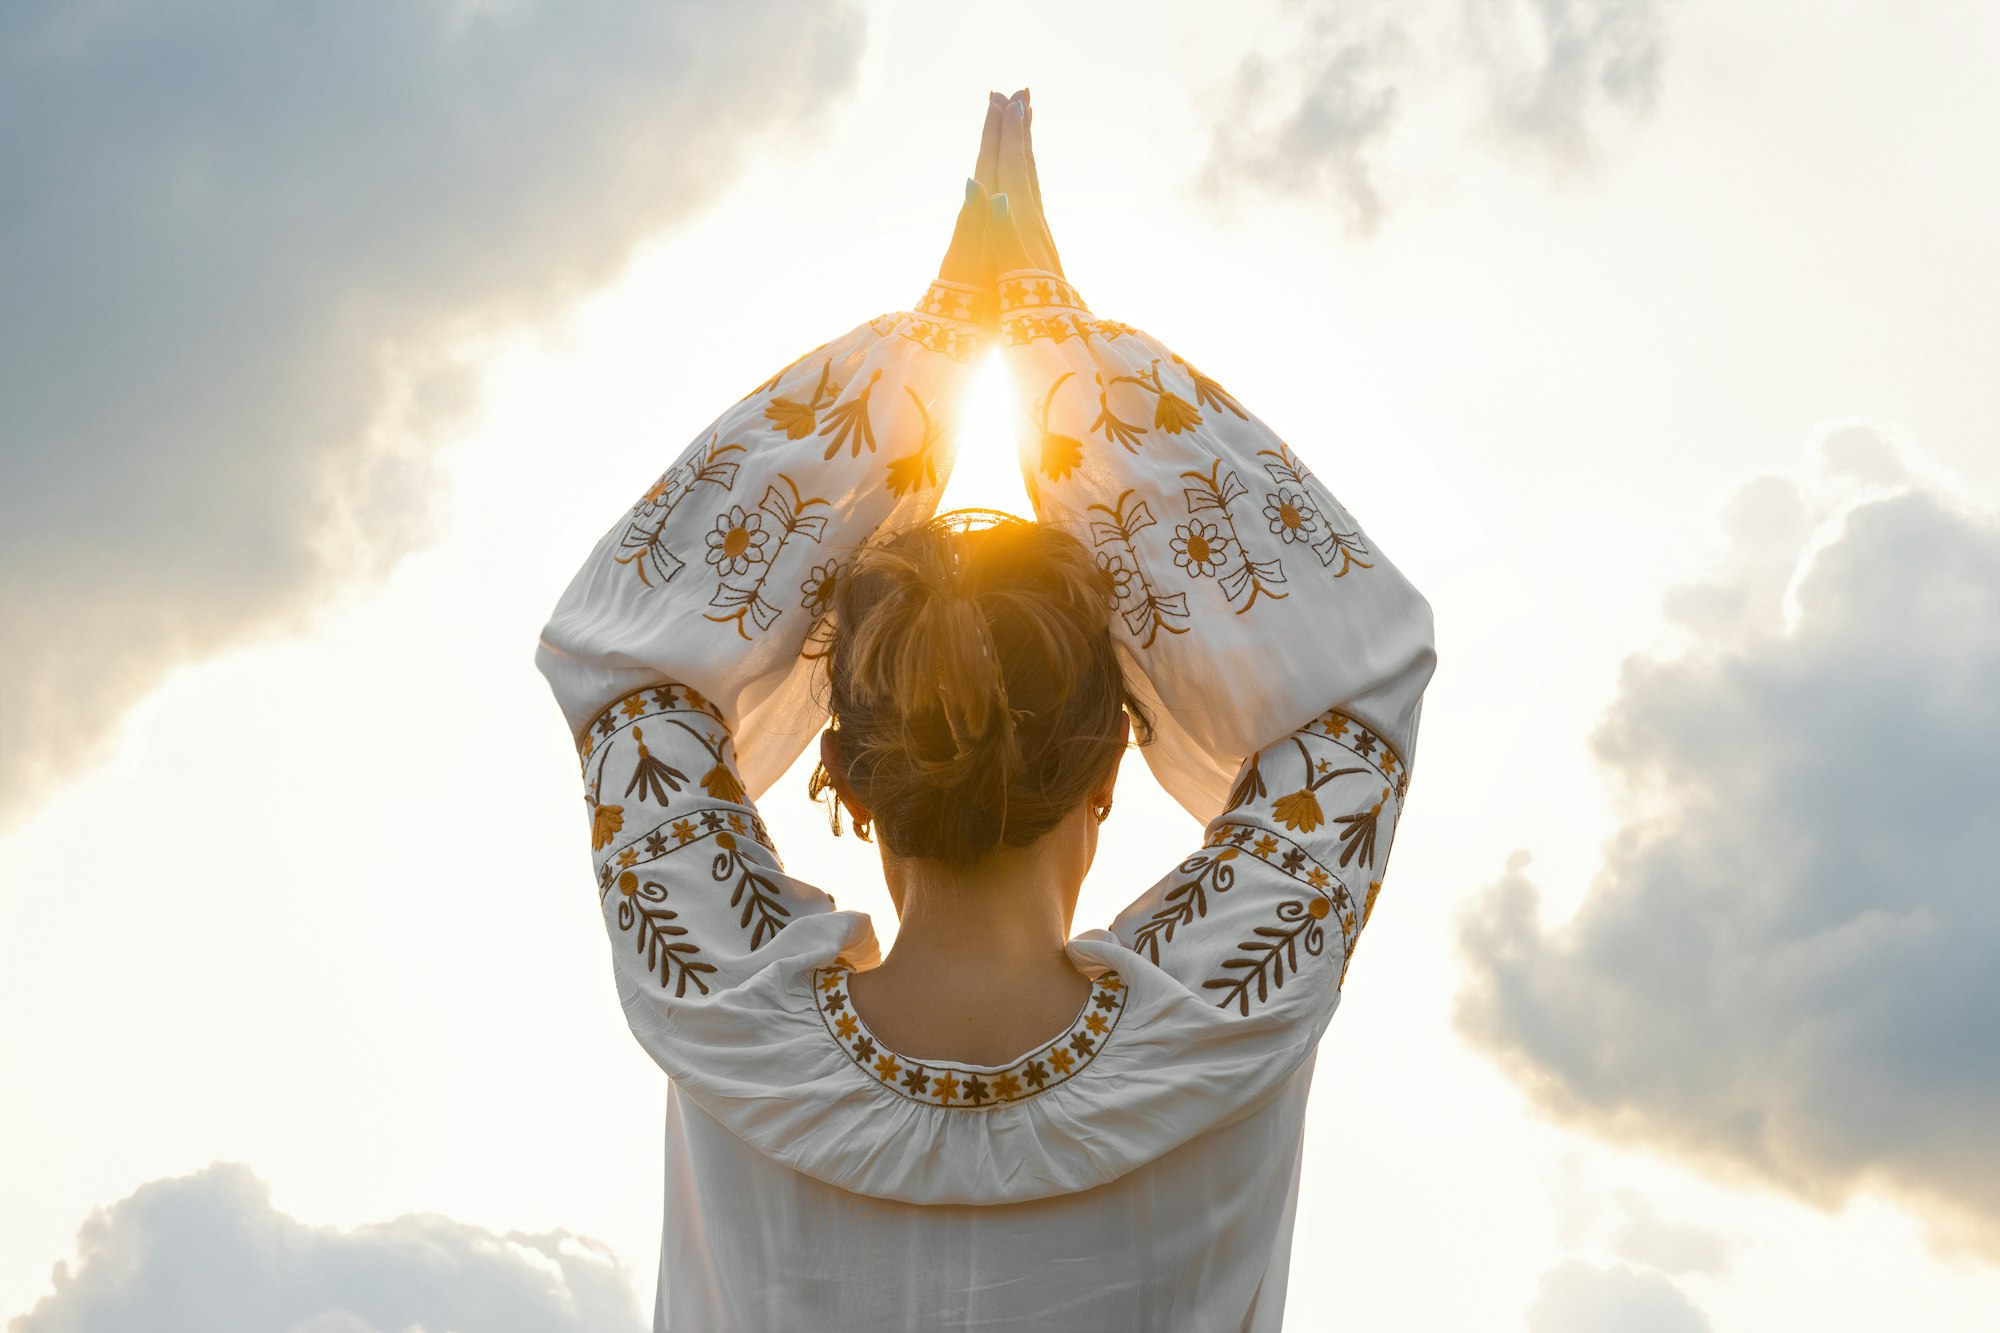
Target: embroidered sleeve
(1267, 913)
(679, 651)
(1251, 606)
(688, 879)
(720, 570)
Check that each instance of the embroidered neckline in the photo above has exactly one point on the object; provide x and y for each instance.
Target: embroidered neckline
(969, 1087)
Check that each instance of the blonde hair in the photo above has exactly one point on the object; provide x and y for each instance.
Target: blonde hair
(973, 686)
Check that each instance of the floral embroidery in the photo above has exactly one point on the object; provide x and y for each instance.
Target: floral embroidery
(1214, 491)
(1149, 611)
(740, 601)
(764, 911)
(796, 418)
(818, 588)
(641, 904)
(1299, 810)
(917, 469)
(1115, 570)
(1059, 454)
(1208, 393)
(1298, 488)
(960, 1088)
(1358, 833)
(1291, 515)
(737, 541)
(1171, 412)
(642, 542)
(1030, 289)
(1124, 432)
(1273, 954)
(848, 422)
(1199, 548)
(654, 777)
(1211, 870)
(605, 822)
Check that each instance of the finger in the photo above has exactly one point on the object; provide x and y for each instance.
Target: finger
(1003, 237)
(1014, 182)
(1035, 180)
(987, 170)
(963, 258)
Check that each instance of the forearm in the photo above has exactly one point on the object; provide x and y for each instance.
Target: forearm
(719, 573)
(1249, 600)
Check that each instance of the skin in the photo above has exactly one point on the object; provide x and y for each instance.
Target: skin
(979, 974)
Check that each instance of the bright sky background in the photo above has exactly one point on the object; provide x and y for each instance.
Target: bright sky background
(324, 907)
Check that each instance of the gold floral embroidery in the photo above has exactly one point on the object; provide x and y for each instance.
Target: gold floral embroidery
(958, 1088)
(1299, 507)
(848, 422)
(917, 469)
(1059, 453)
(1124, 432)
(1208, 393)
(1213, 492)
(797, 419)
(1033, 289)
(1171, 412)
(1299, 810)
(605, 822)
(739, 601)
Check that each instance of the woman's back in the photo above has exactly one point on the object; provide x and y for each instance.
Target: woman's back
(1121, 1154)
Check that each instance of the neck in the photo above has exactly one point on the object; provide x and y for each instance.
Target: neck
(1011, 910)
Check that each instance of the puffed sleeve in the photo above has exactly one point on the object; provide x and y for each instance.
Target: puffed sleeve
(1284, 655)
(680, 651)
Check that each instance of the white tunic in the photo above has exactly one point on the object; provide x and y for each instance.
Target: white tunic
(1139, 1170)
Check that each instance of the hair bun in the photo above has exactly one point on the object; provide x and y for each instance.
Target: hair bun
(973, 683)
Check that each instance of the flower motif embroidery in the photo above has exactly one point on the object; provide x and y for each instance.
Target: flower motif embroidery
(737, 541)
(1291, 515)
(944, 1085)
(1116, 570)
(1299, 811)
(818, 588)
(605, 822)
(1199, 548)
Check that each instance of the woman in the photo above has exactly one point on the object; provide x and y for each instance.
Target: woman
(998, 1126)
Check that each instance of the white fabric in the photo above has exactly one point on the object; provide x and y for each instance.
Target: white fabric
(1139, 1170)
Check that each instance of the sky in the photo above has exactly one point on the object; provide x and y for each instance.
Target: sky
(1653, 340)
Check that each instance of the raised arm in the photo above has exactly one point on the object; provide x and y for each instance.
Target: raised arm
(1285, 654)
(679, 651)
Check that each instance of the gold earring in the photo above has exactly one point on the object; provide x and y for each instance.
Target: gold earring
(1103, 812)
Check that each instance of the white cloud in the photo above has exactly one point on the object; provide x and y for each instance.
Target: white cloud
(1643, 1237)
(239, 246)
(207, 1253)
(1320, 119)
(1785, 966)
(1581, 1298)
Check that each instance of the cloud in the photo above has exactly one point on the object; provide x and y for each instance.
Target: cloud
(1319, 121)
(1551, 65)
(1785, 966)
(1328, 128)
(238, 246)
(1643, 1237)
(1581, 1298)
(207, 1253)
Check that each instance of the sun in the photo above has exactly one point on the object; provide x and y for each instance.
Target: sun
(987, 473)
